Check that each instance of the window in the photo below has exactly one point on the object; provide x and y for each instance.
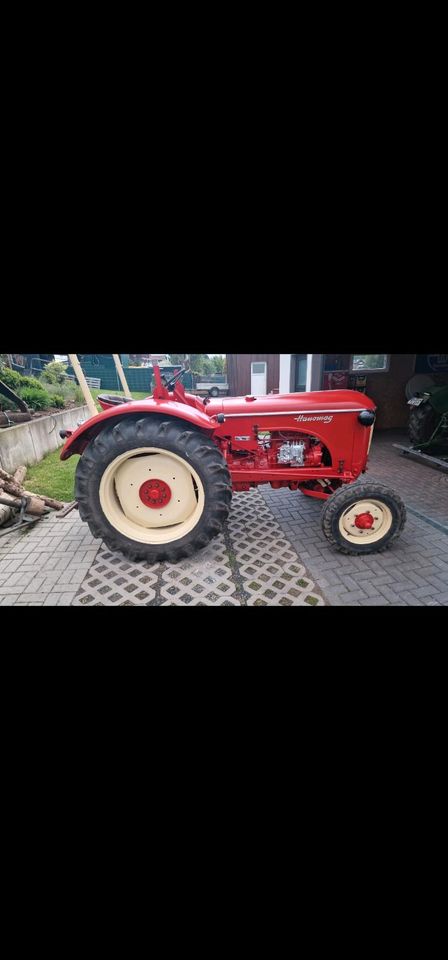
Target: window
(370, 363)
(258, 368)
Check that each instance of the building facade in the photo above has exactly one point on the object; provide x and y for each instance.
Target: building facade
(383, 377)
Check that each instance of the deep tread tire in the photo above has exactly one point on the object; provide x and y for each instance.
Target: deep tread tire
(350, 494)
(195, 448)
(422, 423)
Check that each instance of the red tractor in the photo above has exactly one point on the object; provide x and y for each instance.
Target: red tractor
(156, 476)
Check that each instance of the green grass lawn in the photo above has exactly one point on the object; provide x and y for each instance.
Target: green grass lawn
(54, 477)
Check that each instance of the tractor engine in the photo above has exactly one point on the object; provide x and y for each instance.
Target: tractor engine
(295, 451)
(274, 450)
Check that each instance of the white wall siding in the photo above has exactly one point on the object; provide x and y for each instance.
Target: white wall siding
(285, 372)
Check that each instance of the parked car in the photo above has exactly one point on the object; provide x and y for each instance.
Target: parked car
(213, 386)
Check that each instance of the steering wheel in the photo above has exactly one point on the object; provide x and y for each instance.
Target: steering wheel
(172, 383)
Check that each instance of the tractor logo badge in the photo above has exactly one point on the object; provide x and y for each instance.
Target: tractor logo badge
(303, 419)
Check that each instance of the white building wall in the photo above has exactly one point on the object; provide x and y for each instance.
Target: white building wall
(314, 371)
(313, 374)
(285, 372)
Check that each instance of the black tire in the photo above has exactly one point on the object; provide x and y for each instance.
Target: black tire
(214, 392)
(422, 423)
(169, 435)
(349, 495)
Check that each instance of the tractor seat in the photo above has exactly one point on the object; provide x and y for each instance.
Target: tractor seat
(107, 401)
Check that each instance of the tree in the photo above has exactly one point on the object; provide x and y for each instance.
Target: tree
(198, 362)
(219, 364)
(177, 358)
(55, 372)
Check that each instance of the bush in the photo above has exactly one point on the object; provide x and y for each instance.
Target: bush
(32, 382)
(57, 400)
(16, 381)
(67, 389)
(11, 378)
(55, 372)
(6, 404)
(36, 397)
(34, 392)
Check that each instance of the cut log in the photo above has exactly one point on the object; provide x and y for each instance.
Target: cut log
(35, 507)
(20, 475)
(14, 418)
(16, 491)
(5, 476)
(5, 512)
(8, 482)
(49, 501)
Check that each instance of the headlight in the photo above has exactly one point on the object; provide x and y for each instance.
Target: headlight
(367, 418)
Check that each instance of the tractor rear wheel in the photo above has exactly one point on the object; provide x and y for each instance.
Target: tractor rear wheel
(153, 489)
(422, 423)
(363, 518)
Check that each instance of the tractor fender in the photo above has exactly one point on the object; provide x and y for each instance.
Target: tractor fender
(79, 440)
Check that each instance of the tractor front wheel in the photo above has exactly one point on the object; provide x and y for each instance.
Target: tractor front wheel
(153, 489)
(363, 518)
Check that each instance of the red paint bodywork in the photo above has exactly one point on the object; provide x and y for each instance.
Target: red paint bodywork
(255, 430)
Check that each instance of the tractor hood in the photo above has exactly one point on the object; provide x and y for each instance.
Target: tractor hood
(328, 401)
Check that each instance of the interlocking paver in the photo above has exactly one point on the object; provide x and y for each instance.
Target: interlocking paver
(251, 563)
(413, 572)
(271, 552)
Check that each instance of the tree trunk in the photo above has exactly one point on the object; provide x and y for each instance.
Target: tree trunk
(9, 484)
(5, 512)
(20, 475)
(16, 491)
(35, 506)
(5, 421)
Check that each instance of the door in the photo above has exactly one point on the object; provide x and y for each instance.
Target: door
(300, 373)
(259, 379)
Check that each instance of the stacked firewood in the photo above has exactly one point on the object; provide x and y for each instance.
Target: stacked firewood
(12, 490)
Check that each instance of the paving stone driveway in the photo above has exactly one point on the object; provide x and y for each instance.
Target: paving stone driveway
(58, 563)
(271, 553)
(414, 572)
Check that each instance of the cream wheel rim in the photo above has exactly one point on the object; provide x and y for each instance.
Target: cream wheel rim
(125, 499)
(382, 522)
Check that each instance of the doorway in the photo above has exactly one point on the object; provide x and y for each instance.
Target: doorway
(301, 366)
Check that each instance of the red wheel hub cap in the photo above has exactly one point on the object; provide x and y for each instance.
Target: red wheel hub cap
(364, 521)
(155, 494)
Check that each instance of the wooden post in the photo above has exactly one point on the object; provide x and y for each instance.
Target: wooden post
(120, 372)
(83, 384)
